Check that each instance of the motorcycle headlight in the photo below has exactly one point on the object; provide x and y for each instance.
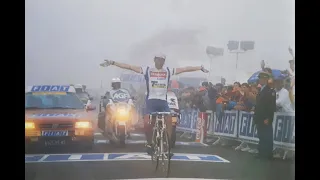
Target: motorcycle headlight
(122, 112)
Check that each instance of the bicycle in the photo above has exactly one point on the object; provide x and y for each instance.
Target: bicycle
(160, 141)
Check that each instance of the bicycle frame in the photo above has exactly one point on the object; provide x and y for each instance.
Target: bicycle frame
(160, 129)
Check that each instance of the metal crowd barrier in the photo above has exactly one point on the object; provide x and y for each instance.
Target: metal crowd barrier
(239, 126)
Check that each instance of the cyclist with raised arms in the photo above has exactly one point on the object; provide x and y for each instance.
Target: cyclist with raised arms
(157, 80)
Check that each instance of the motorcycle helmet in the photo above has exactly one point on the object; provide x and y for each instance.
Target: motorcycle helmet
(116, 83)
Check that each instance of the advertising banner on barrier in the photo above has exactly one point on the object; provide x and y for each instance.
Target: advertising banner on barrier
(188, 120)
(201, 126)
(239, 124)
(228, 124)
(211, 117)
(247, 129)
(284, 129)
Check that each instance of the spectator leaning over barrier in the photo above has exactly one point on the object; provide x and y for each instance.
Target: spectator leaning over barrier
(254, 90)
(246, 100)
(282, 97)
(220, 101)
(235, 96)
(198, 100)
(263, 117)
(212, 93)
(205, 97)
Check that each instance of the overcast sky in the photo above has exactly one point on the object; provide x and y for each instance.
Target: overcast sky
(67, 39)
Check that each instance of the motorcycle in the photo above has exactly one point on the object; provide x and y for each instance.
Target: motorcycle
(175, 114)
(120, 109)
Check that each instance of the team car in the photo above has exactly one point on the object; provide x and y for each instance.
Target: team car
(55, 116)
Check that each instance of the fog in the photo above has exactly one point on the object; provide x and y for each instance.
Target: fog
(67, 39)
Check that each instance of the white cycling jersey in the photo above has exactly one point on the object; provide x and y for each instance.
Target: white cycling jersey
(157, 81)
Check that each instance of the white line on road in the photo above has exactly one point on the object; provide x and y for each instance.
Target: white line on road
(75, 157)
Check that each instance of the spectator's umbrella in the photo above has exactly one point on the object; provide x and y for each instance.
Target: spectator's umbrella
(276, 74)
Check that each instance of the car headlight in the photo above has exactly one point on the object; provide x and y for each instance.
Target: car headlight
(29, 125)
(83, 124)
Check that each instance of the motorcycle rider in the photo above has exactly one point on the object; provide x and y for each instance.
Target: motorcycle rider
(116, 85)
(157, 81)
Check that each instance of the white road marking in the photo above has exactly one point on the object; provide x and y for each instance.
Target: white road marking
(75, 157)
(127, 156)
(105, 156)
(222, 159)
(193, 157)
(137, 135)
(98, 134)
(43, 158)
(103, 141)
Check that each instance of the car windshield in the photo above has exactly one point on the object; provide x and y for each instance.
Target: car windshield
(83, 95)
(79, 90)
(52, 100)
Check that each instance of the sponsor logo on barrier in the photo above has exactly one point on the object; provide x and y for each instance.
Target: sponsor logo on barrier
(227, 125)
(243, 127)
(118, 157)
(188, 119)
(284, 127)
(247, 128)
(199, 131)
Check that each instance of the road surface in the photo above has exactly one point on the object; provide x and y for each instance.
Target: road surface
(190, 161)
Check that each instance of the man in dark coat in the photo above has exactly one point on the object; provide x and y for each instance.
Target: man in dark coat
(263, 116)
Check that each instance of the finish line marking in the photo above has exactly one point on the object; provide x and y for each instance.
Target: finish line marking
(40, 158)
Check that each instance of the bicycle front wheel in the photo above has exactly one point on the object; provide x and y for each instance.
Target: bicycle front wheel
(155, 150)
(165, 155)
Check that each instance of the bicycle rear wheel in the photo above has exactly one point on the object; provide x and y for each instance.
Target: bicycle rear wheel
(165, 156)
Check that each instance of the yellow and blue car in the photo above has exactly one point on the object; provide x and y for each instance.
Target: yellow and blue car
(55, 116)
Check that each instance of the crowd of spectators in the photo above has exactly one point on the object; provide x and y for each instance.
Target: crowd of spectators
(239, 96)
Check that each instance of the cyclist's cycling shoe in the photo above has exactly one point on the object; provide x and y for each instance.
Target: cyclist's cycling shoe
(149, 149)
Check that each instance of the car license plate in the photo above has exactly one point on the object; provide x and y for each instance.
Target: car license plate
(54, 133)
(54, 142)
(174, 119)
